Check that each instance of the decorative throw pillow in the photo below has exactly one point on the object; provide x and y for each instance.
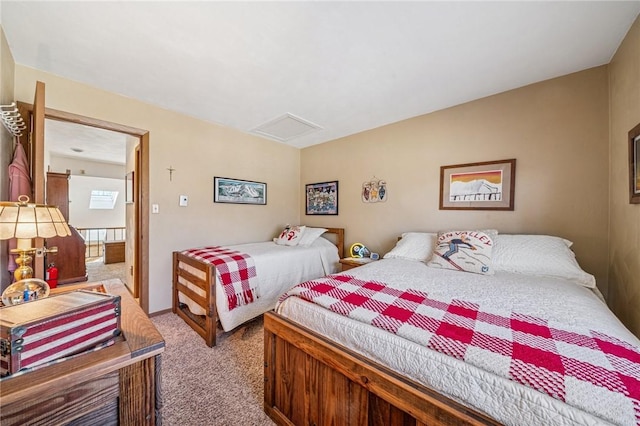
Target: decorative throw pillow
(468, 251)
(290, 235)
(310, 235)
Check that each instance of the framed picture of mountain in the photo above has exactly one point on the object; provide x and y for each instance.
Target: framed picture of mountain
(488, 185)
(238, 191)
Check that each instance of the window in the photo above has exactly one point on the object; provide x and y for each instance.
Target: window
(105, 200)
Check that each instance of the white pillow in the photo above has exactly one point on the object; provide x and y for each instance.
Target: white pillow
(413, 246)
(468, 251)
(310, 235)
(290, 236)
(542, 255)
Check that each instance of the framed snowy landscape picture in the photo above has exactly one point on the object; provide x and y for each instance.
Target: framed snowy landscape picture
(238, 191)
(488, 185)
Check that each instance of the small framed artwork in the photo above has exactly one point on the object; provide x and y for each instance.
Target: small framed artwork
(634, 165)
(238, 191)
(478, 186)
(128, 188)
(322, 198)
(374, 191)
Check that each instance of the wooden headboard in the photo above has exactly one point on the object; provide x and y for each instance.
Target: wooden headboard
(339, 233)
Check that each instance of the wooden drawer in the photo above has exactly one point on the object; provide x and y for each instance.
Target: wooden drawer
(350, 263)
(113, 251)
(96, 399)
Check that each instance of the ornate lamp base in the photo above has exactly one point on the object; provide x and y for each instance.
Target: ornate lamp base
(23, 261)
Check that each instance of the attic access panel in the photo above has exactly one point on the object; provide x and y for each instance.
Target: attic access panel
(286, 127)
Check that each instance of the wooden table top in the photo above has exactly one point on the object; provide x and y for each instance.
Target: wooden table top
(139, 340)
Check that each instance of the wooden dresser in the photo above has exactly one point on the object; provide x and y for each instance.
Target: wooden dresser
(117, 385)
(70, 258)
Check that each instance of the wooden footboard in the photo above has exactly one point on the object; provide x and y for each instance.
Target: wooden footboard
(311, 381)
(202, 276)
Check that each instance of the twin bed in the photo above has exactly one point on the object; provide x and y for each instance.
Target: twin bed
(199, 298)
(528, 341)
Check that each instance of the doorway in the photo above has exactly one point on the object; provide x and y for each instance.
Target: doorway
(97, 166)
(137, 214)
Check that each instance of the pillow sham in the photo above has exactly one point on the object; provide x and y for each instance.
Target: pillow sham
(290, 235)
(310, 235)
(492, 233)
(468, 251)
(543, 255)
(413, 246)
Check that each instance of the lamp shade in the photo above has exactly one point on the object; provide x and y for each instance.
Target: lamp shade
(26, 220)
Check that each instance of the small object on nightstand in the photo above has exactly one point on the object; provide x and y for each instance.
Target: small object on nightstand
(359, 250)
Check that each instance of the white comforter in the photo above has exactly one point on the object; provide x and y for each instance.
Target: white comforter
(507, 401)
(278, 268)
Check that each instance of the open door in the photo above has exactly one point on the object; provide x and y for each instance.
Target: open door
(35, 115)
(35, 152)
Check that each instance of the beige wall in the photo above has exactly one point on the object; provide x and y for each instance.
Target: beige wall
(197, 151)
(7, 67)
(557, 131)
(624, 256)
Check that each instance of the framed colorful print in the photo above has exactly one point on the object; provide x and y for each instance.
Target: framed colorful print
(634, 165)
(478, 186)
(238, 191)
(322, 198)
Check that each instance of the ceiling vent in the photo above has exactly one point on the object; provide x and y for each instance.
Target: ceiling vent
(286, 127)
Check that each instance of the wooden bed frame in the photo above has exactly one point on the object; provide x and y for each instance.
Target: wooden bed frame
(205, 325)
(312, 381)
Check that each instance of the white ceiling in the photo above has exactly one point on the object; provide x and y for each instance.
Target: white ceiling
(66, 139)
(344, 67)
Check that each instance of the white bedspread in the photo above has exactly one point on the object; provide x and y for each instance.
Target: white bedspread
(507, 401)
(279, 268)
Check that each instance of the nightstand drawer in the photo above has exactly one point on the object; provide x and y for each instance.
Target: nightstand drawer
(350, 262)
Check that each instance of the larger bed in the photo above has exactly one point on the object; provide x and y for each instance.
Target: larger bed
(198, 297)
(324, 367)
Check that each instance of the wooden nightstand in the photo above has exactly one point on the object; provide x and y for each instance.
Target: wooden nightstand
(353, 262)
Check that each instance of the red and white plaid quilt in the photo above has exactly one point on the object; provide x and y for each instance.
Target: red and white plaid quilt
(579, 367)
(235, 271)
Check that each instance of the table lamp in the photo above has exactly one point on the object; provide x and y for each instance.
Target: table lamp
(23, 220)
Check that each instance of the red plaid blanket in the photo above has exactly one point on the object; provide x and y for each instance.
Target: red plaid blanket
(580, 367)
(235, 271)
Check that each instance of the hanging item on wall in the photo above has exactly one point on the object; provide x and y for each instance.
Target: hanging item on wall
(322, 198)
(374, 191)
(488, 185)
(12, 120)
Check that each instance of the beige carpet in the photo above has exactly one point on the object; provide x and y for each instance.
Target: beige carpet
(98, 271)
(212, 386)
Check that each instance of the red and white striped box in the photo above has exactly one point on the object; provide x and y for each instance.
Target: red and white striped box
(45, 330)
